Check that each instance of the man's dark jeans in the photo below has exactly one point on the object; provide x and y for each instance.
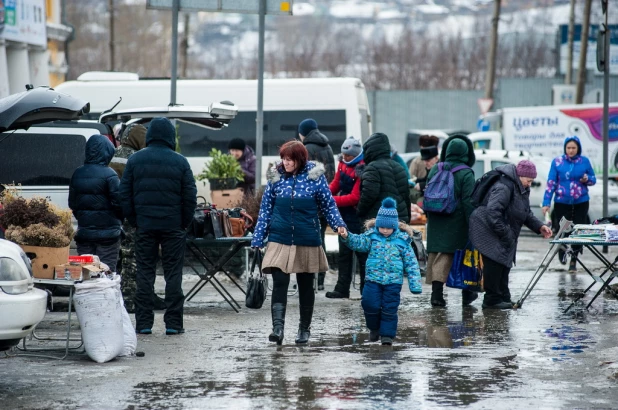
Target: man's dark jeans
(107, 251)
(172, 243)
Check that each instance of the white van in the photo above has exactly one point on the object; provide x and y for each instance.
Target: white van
(339, 105)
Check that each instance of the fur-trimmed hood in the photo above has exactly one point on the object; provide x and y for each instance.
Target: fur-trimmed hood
(404, 229)
(313, 169)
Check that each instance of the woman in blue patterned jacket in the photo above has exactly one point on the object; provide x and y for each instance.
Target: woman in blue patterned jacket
(569, 178)
(297, 192)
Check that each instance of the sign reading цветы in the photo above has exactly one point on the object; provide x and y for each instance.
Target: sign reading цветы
(229, 6)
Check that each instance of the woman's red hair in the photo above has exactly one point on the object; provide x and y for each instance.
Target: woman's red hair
(296, 151)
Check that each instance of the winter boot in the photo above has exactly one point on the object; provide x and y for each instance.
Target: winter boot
(306, 313)
(321, 277)
(573, 265)
(337, 295)
(468, 296)
(374, 335)
(437, 294)
(278, 314)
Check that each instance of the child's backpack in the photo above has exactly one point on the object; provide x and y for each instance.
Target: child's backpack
(483, 185)
(440, 190)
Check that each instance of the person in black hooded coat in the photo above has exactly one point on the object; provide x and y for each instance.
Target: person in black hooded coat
(319, 150)
(159, 198)
(95, 202)
(382, 178)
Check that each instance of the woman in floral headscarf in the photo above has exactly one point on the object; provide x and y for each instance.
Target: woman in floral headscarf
(569, 178)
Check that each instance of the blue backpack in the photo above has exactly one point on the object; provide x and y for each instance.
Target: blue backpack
(440, 190)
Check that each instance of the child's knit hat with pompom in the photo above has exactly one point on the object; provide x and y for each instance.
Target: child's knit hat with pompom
(387, 215)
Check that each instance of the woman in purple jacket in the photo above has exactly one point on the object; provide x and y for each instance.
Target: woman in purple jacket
(246, 158)
(569, 178)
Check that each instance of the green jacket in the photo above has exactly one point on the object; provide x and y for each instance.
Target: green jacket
(447, 233)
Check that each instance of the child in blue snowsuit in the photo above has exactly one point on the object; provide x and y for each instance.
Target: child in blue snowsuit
(390, 255)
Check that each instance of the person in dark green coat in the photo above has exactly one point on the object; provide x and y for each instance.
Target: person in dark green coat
(448, 232)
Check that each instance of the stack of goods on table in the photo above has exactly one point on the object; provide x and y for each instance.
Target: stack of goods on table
(80, 268)
(588, 233)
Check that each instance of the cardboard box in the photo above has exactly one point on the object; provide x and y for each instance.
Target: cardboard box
(89, 271)
(78, 271)
(75, 270)
(44, 260)
(227, 198)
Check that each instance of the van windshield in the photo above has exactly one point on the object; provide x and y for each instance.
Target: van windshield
(279, 127)
(40, 159)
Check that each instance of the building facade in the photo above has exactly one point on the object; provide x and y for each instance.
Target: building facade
(32, 44)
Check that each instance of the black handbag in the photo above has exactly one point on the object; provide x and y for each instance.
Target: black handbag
(205, 223)
(256, 283)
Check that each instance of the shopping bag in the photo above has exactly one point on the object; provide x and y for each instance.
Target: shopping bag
(466, 272)
(256, 283)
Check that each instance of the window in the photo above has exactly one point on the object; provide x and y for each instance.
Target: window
(279, 127)
(40, 159)
(478, 168)
(496, 164)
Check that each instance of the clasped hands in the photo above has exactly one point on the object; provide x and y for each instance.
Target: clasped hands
(342, 232)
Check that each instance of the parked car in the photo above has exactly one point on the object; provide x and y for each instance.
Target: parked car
(44, 156)
(22, 306)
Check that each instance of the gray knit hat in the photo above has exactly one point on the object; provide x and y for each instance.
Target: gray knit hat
(351, 146)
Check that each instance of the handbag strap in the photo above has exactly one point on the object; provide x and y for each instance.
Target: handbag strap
(248, 219)
(257, 260)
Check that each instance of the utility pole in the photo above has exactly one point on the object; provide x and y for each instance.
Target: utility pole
(581, 69)
(112, 63)
(491, 56)
(568, 79)
(184, 46)
(606, 61)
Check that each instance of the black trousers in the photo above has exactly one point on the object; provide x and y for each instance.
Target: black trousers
(281, 283)
(346, 257)
(173, 245)
(577, 213)
(495, 282)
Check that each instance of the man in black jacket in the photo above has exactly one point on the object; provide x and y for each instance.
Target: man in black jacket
(317, 146)
(95, 202)
(159, 197)
(319, 150)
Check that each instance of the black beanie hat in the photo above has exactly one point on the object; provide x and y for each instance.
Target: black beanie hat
(237, 143)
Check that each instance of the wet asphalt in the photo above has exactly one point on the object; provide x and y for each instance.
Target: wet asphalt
(534, 357)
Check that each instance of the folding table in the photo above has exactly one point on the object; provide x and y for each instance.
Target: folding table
(561, 242)
(58, 282)
(197, 247)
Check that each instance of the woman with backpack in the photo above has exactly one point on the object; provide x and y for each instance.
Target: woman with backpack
(495, 227)
(448, 231)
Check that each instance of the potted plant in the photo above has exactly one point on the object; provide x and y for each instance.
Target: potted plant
(43, 230)
(223, 173)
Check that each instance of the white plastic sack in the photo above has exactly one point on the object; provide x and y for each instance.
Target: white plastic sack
(130, 338)
(98, 305)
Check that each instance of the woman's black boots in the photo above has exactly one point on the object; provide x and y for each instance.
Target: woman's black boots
(437, 294)
(306, 313)
(278, 314)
